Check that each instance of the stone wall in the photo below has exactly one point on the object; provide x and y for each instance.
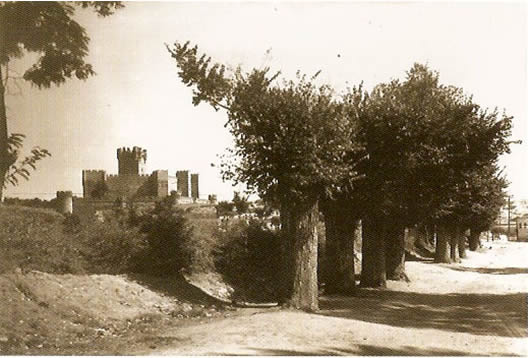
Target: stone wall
(90, 178)
(129, 186)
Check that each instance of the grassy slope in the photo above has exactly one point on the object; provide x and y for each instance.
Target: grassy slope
(50, 307)
(34, 239)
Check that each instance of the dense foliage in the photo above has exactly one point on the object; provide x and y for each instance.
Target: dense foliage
(247, 255)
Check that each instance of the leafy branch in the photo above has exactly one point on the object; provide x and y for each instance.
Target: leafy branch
(21, 169)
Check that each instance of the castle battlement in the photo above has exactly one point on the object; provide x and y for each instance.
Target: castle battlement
(93, 171)
(64, 194)
(133, 182)
(135, 152)
(112, 176)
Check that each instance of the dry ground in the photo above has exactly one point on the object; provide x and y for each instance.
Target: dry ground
(474, 308)
(478, 307)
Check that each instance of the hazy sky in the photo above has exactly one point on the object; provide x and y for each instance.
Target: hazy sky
(137, 98)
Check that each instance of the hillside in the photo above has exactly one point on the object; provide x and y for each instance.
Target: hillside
(54, 304)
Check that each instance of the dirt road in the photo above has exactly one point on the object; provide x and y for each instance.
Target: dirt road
(478, 307)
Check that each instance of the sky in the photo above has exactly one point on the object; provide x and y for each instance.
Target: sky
(137, 98)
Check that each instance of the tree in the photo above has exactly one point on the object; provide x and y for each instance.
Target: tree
(224, 208)
(240, 202)
(423, 138)
(61, 44)
(342, 210)
(291, 142)
(168, 234)
(471, 142)
(395, 127)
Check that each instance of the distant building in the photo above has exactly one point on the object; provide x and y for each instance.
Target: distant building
(521, 223)
(182, 177)
(132, 180)
(195, 193)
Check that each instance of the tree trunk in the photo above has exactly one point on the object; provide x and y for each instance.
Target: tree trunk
(4, 154)
(474, 240)
(373, 270)
(462, 246)
(395, 253)
(454, 237)
(442, 246)
(299, 255)
(341, 225)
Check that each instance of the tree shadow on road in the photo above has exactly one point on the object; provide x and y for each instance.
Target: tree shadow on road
(480, 314)
(489, 270)
(356, 350)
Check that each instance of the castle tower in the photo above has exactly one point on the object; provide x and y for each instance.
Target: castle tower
(132, 161)
(64, 202)
(195, 194)
(161, 183)
(182, 178)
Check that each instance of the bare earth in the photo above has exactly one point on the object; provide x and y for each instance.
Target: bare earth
(478, 307)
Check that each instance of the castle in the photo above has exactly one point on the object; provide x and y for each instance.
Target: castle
(133, 183)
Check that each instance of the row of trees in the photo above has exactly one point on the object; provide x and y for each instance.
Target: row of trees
(408, 153)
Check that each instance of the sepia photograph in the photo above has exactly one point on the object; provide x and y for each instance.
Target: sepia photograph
(264, 178)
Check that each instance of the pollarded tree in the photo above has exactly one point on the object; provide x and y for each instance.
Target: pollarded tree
(342, 210)
(291, 144)
(421, 137)
(476, 206)
(471, 141)
(396, 128)
(61, 44)
(487, 196)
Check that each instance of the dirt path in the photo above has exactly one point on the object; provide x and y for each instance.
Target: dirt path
(474, 308)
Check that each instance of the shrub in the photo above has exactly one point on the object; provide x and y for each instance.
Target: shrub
(168, 235)
(248, 257)
(225, 208)
(108, 247)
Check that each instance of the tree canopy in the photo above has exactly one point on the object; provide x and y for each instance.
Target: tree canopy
(49, 30)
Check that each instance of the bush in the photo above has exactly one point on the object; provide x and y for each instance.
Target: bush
(248, 256)
(225, 208)
(108, 247)
(168, 237)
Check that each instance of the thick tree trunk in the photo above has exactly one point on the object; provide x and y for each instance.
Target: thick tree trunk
(4, 154)
(462, 246)
(442, 254)
(373, 270)
(474, 240)
(341, 226)
(299, 255)
(395, 253)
